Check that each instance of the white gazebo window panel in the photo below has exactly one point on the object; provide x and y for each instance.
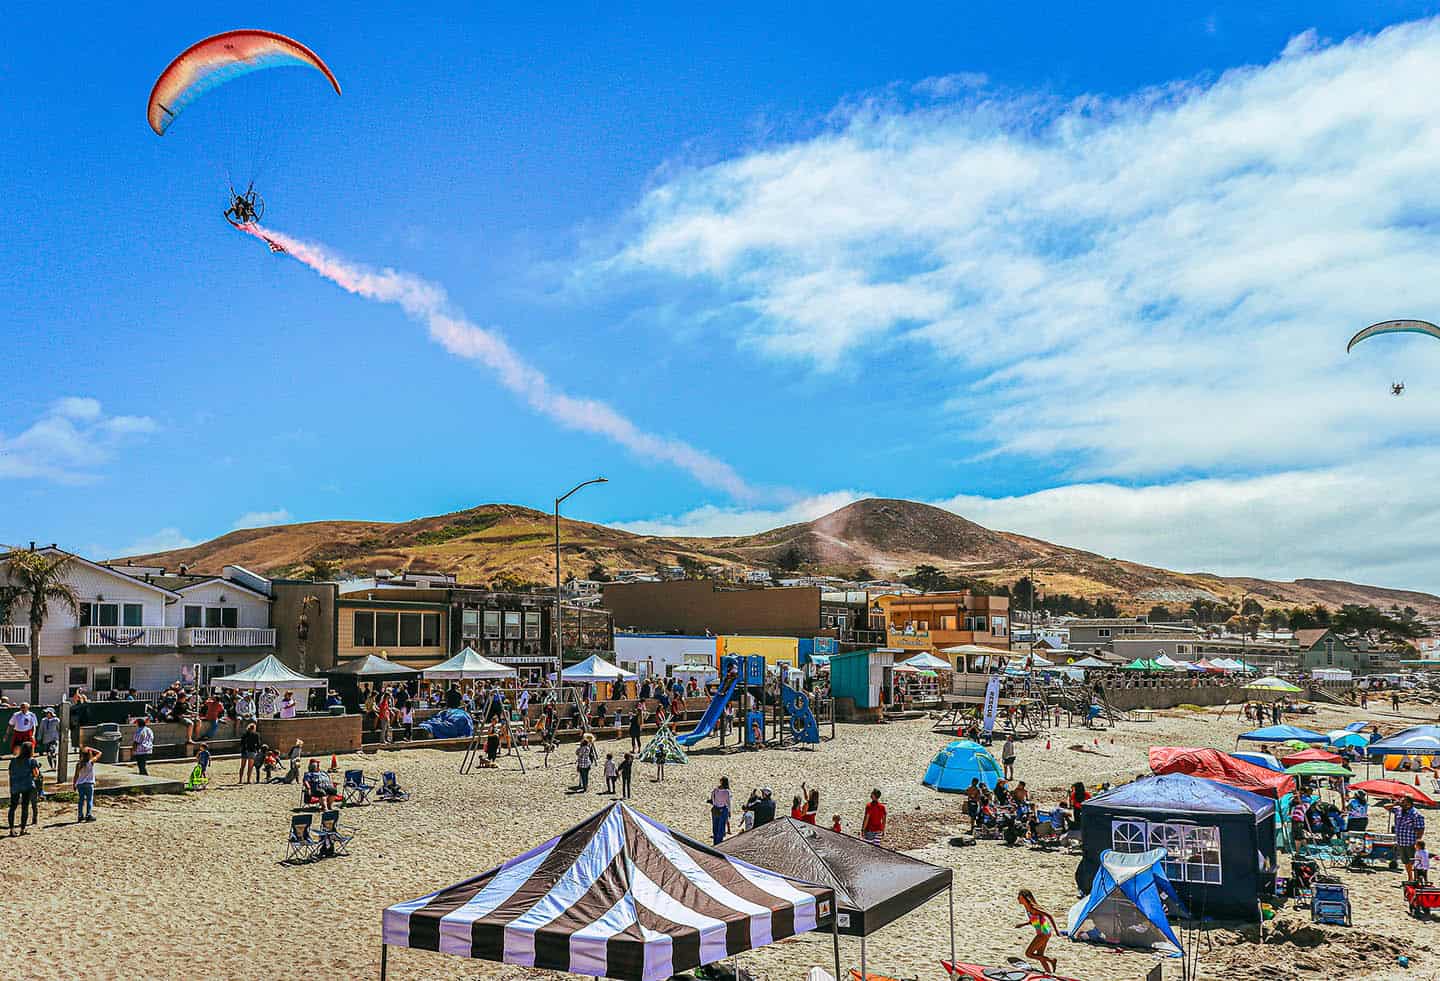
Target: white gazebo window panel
(1129, 837)
(1202, 855)
(1170, 837)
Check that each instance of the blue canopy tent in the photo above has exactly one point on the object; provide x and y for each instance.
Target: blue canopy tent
(1278, 734)
(1125, 905)
(1261, 759)
(959, 763)
(1415, 741)
(1220, 840)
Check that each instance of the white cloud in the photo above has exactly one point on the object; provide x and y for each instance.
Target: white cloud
(948, 86)
(263, 519)
(70, 443)
(712, 521)
(161, 541)
(1143, 288)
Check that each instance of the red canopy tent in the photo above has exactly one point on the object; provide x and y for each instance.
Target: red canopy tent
(1211, 764)
(1204, 662)
(1312, 756)
(1395, 789)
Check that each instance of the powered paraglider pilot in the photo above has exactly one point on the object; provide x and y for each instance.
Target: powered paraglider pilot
(246, 208)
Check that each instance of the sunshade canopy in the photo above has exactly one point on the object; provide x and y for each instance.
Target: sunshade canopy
(1346, 739)
(270, 672)
(595, 668)
(1221, 767)
(1179, 793)
(1415, 741)
(1125, 906)
(1141, 664)
(618, 896)
(468, 664)
(959, 764)
(1260, 759)
(1090, 662)
(1271, 683)
(1311, 756)
(873, 885)
(1394, 789)
(1318, 768)
(928, 661)
(370, 666)
(1278, 734)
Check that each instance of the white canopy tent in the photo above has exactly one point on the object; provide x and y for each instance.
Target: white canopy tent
(468, 664)
(270, 672)
(595, 668)
(926, 661)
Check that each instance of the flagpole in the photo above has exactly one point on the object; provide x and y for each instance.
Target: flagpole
(384, 949)
(952, 920)
(835, 933)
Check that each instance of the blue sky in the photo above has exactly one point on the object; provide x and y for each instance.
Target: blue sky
(1084, 274)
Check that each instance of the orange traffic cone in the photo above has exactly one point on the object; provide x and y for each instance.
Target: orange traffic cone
(1095, 741)
(334, 763)
(1047, 744)
(1417, 779)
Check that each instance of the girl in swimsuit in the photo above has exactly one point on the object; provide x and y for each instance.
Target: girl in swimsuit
(1045, 928)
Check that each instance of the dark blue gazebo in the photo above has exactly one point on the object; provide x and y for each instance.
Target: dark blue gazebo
(1415, 741)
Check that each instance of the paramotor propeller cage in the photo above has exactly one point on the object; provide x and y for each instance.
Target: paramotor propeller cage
(246, 208)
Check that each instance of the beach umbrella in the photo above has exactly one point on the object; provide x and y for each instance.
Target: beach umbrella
(1345, 739)
(1311, 756)
(1415, 741)
(1260, 759)
(1318, 768)
(1394, 789)
(1272, 683)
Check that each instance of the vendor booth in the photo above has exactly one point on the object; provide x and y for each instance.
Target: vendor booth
(1219, 840)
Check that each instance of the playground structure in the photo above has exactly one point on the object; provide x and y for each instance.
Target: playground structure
(787, 718)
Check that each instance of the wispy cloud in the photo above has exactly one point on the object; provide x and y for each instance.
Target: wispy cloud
(70, 443)
(711, 520)
(1130, 288)
(263, 519)
(160, 541)
(428, 303)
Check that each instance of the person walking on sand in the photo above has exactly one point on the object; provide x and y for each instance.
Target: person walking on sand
(636, 720)
(584, 760)
(24, 768)
(720, 811)
(142, 744)
(626, 766)
(612, 773)
(22, 727)
(873, 827)
(85, 784)
(1007, 755)
(249, 753)
(1045, 928)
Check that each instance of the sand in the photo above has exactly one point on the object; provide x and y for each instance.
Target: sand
(192, 886)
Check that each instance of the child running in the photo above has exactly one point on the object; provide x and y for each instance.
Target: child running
(1045, 927)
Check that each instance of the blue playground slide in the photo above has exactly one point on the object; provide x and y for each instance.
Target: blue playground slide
(803, 728)
(711, 718)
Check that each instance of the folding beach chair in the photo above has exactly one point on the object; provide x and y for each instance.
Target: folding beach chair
(333, 841)
(301, 845)
(197, 779)
(1047, 836)
(356, 790)
(390, 788)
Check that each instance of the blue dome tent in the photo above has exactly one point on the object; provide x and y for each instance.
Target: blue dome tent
(1125, 904)
(1281, 733)
(962, 761)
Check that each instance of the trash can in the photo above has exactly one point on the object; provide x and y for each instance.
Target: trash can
(108, 743)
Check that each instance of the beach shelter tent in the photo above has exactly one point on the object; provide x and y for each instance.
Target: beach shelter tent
(928, 662)
(346, 678)
(1272, 683)
(270, 672)
(873, 885)
(959, 763)
(1280, 733)
(1125, 905)
(468, 664)
(1221, 767)
(619, 895)
(1319, 768)
(1311, 756)
(1260, 759)
(1415, 741)
(1091, 662)
(1347, 739)
(1394, 789)
(593, 669)
(1219, 840)
(1166, 661)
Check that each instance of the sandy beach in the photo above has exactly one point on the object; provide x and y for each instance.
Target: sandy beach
(192, 886)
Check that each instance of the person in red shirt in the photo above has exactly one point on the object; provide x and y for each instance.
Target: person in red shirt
(874, 825)
(797, 808)
(382, 713)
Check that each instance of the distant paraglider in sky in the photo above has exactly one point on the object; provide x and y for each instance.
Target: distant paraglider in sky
(1394, 327)
(213, 62)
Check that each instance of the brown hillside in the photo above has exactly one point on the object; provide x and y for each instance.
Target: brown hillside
(505, 544)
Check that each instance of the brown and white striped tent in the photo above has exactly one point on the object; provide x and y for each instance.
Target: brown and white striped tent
(618, 896)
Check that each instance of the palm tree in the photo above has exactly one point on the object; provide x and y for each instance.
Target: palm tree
(302, 627)
(37, 580)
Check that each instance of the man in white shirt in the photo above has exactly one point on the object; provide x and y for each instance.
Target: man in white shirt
(22, 727)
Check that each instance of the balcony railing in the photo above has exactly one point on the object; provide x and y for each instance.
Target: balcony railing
(228, 637)
(14, 636)
(129, 636)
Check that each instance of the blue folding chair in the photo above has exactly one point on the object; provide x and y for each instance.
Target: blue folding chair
(356, 791)
(301, 845)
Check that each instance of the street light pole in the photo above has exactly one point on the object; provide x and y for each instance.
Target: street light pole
(556, 647)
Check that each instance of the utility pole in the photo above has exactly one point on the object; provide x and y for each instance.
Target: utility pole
(557, 648)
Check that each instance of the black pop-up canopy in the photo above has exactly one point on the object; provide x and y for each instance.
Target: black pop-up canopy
(873, 885)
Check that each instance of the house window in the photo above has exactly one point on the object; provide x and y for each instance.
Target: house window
(100, 615)
(387, 630)
(492, 624)
(470, 623)
(532, 625)
(134, 615)
(1329, 650)
(194, 616)
(76, 676)
(997, 626)
(430, 632)
(409, 630)
(120, 677)
(1102, 632)
(1192, 851)
(222, 616)
(101, 682)
(512, 625)
(364, 630)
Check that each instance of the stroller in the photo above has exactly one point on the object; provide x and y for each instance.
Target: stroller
(1303, 875)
